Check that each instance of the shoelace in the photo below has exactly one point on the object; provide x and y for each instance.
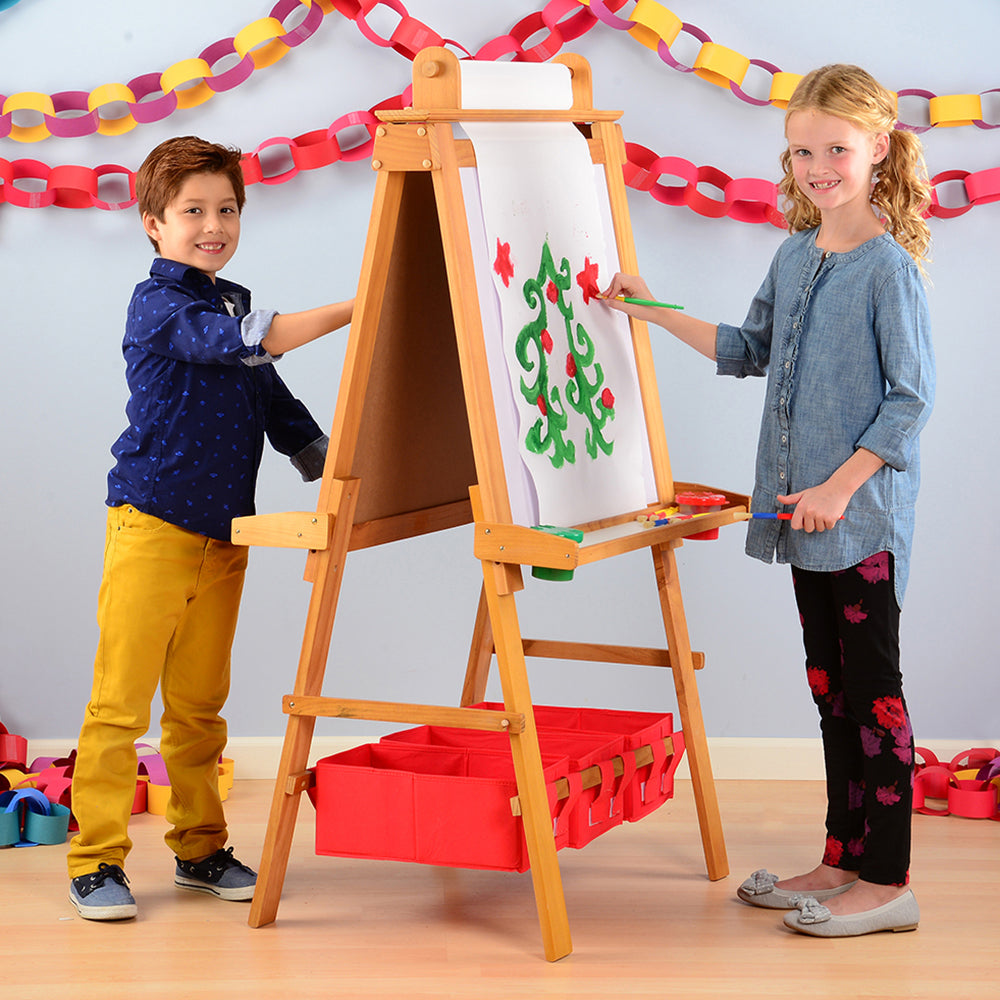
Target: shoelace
(103, 873)
(214, 866)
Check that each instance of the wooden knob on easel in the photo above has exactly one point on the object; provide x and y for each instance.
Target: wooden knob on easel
(430, 68)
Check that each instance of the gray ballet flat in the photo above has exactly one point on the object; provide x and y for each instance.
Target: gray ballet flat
(811, 917)
(759, 890)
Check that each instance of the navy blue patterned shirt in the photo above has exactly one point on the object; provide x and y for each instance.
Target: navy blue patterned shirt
(204, 394)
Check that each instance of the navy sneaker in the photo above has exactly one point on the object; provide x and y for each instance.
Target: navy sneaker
(102, 895)
(221, 875)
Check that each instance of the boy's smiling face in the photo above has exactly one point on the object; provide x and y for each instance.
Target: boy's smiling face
(201, 226)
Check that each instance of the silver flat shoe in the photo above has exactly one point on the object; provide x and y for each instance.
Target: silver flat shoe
(759, 890)
(811, 917)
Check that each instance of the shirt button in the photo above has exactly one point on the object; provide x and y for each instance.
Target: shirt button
(788, 364)
(784, 439)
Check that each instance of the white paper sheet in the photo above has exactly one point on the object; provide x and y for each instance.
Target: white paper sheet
(573, 414)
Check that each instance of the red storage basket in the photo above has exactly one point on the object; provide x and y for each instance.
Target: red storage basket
(430, 804)
(641, 789)
(587, 812)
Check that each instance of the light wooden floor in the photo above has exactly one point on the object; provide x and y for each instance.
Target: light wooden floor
(646, 921)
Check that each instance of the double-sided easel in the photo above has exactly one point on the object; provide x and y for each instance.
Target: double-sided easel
(399, 466)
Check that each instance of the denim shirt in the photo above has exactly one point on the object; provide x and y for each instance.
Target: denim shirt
(203, 396)
(844, 340)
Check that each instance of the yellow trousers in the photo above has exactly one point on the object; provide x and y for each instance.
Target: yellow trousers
(167, 611)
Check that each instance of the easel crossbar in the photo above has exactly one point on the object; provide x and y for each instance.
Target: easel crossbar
(638, 656)
(394, 711)
(590, 777)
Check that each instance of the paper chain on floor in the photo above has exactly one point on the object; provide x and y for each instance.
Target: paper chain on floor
(742, 199)
(35, 798)
(967, 786)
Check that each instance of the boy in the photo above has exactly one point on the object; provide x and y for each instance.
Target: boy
(204, 393)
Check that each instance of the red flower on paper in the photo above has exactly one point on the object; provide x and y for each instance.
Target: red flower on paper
(552, 293)
(608, 399)
(819, 680)
(542, 406)
(889, 712)
(587, 280)
(546, 341)
(854, 614)
(570, 366)
(502, 264)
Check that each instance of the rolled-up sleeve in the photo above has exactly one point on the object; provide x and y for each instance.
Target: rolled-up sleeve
(746, 350)
(903, 335)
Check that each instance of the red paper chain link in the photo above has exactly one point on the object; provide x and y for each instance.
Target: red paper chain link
(743, 199)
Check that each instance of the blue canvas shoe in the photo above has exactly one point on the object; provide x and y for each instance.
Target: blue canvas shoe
(219, 875)
(102, 895)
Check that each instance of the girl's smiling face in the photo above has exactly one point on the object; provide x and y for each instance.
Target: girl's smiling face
(201, 226)
(833, 160)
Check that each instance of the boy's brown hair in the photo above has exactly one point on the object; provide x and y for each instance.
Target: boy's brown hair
(167, 167)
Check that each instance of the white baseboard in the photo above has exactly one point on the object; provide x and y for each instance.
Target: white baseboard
(733, 758)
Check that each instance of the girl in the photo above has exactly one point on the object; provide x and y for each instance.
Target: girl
(840, 327)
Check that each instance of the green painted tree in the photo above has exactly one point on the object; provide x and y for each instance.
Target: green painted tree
(533, 349)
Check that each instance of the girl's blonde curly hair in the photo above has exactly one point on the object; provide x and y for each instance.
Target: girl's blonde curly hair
(901, 191)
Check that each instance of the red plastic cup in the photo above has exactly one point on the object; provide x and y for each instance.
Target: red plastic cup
(700, 502)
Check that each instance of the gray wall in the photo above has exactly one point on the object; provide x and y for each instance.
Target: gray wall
(406, 612)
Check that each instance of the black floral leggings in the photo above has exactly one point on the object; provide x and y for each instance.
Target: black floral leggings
(850, 629)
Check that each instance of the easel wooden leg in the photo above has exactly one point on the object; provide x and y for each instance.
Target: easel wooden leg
(480, 655)
(535, 814)
(689, 706)
(289, 785)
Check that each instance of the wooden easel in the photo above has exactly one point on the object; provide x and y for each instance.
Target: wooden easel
(398, 468)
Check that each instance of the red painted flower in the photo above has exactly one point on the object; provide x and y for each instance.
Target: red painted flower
(552, 293)
(587, 280)
(608, 399)
(502, 264)
(570, 366)
(889, 712)
(542, 406)
(819, 680)
(546, 341)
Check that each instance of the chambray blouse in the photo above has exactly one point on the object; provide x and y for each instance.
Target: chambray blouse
(204, 394)
(844, 340)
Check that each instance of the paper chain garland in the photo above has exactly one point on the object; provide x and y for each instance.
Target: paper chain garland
(265, 41)
(77, 113)
(742, 199)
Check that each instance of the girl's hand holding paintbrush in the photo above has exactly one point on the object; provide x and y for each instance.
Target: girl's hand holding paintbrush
(630, 294)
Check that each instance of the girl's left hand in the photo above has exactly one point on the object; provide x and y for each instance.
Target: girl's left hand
(816, 509)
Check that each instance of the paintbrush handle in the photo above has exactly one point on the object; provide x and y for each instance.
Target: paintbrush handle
(647, 302)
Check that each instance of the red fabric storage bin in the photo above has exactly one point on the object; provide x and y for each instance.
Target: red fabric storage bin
(430, 804)
(645, 788)
(587, 812)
